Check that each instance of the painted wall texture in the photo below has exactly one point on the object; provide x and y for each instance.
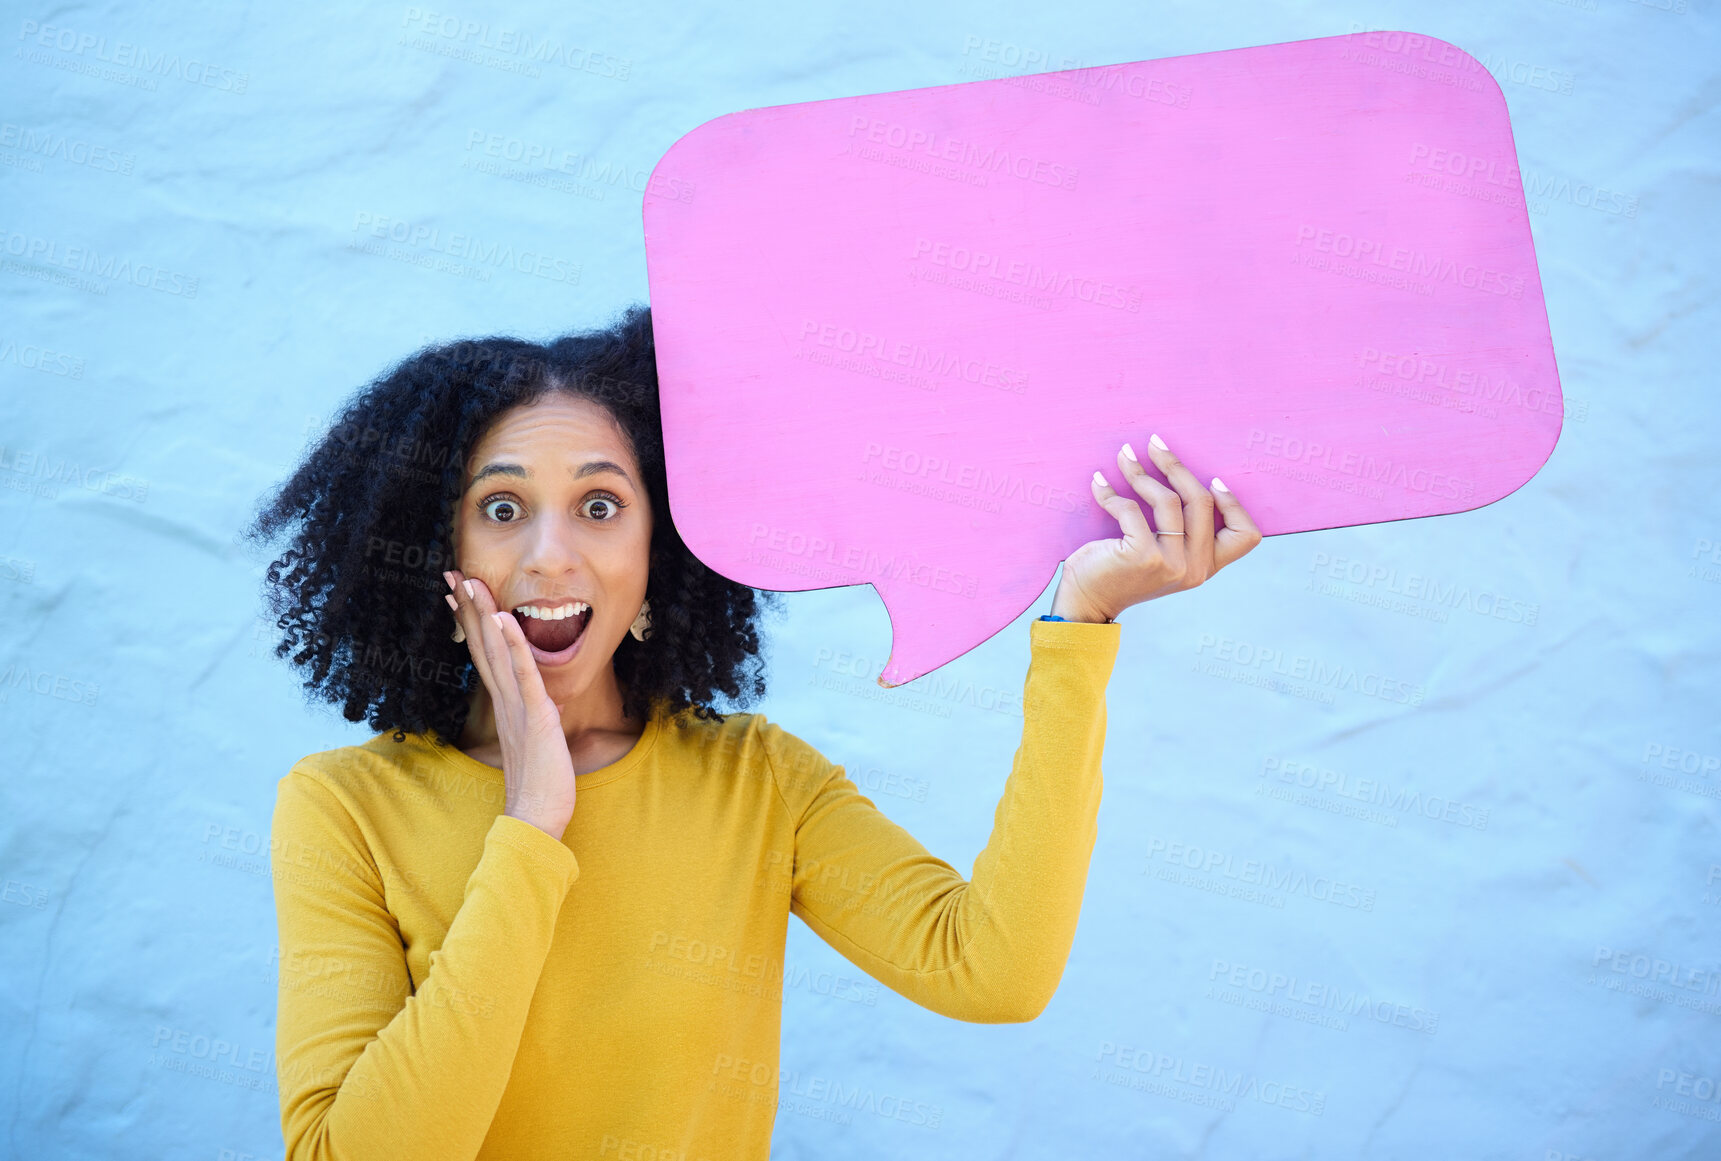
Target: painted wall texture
(1408, 846)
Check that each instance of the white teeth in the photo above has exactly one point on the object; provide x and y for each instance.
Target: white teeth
(558, 613)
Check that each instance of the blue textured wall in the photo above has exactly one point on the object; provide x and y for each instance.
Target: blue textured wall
(1526, 944)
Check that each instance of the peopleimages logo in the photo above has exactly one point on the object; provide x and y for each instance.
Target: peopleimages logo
(990, 159)
(1223, 1085)
(1387, 472)
(1704, 980)
(1418, 368)
(949, 365)
(1459, 164)
(482, 255)
(1375, 792)
(1208, 861)
(114, 268)
(1316, 995)
(1037, 279)
(977, 478)
(1415, 263)
(1671, 1085)
(1247, 654)
(1370, 579)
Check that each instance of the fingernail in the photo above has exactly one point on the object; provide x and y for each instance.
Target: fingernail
(1100, 480)
(448, 578)
(1157, 442)
(467, 585)
(452, 603)
(498, 618)
(1129, 452)
(1219, 485)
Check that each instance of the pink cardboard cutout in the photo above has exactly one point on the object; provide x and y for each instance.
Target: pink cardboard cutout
(897, 333)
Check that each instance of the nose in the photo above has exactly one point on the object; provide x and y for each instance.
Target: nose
(554, 548)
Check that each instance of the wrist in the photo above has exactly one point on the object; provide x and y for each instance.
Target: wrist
(1068, 610)
(552, 821)
(554, 827)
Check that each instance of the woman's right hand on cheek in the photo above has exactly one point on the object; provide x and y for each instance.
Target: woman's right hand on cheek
(537, 769)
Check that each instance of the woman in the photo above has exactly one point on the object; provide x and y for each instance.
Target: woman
(542, 913)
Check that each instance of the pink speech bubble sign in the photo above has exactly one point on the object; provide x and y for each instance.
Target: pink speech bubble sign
(897, 333)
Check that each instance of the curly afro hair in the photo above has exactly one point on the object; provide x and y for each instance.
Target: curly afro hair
(358, 593)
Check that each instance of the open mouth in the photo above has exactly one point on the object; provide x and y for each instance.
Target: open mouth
(554, 641)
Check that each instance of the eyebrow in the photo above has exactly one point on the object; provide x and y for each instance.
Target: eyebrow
(589, 468)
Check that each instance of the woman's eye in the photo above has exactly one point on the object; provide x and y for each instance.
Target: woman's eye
(606, 508)
(505, 505)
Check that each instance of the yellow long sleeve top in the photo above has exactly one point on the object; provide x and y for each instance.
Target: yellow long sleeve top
(455, 983)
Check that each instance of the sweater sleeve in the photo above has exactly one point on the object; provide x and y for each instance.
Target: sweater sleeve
(370, 1069)
(992, 948)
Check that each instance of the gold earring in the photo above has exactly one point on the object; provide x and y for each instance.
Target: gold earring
(642, 623)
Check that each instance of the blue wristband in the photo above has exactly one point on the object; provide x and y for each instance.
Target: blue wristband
(1050, 617)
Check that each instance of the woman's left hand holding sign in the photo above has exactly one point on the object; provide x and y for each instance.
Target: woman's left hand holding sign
(1104, 577)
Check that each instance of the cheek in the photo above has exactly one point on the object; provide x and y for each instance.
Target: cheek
(629, 564)
(490, 567)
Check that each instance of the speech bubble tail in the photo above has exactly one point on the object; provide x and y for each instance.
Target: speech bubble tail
(931, 627)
